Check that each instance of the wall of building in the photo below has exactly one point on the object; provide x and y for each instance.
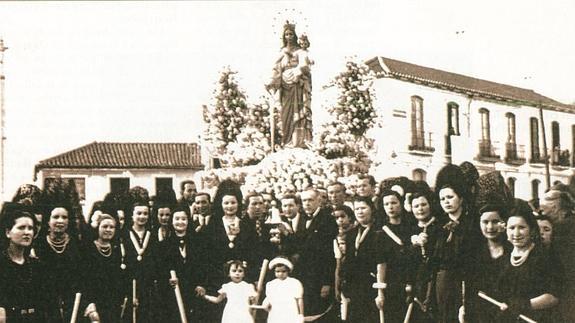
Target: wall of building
(97, 181)
(393, 102)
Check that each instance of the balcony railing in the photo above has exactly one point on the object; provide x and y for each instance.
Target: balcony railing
(560, 157)
(536, 157)
(422, 143)
(514, 154)
(488, 151)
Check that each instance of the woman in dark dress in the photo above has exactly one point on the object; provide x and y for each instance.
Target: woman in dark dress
(360, 266)
(232, 238)
(396, 240)
(184, 253)
(59, 251)
(454, 249)
(21, 284)
(164, 205)
(103, 280)
(140, 259)
(490, 258)
(423, 239)
(227, 237)
(526, 284)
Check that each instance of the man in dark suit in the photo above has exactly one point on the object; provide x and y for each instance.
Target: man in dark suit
(255, 215)
(315, 266)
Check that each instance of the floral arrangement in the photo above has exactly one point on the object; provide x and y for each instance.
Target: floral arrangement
(354, 106)
(353, 114)
(250, 147)
(299, 168)
(226, 116)
(253, 143)
(259, 117)
(335, 140)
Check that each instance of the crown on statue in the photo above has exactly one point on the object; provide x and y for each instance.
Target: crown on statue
(289, 26)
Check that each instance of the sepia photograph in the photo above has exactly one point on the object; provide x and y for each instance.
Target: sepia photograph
(243, 161)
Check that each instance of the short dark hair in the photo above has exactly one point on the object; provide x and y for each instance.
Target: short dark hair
(523, 210)
(203, 194)
(367, 200)
(370, 179)
(184, 182)
(336, 183)
(346, 209)
(291, 196)
(495, 207)
(250, 195)
(12, 212)
(238, 263)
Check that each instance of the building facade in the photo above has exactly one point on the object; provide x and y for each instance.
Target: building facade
(102, 167)
(433, 117)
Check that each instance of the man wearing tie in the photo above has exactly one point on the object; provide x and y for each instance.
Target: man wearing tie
(316, 263)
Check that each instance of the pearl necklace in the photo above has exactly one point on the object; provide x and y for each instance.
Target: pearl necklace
(105, 251)
(58, 246)
(517, 259)
(136, 242)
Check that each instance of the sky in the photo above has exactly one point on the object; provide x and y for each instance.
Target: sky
(78, 72)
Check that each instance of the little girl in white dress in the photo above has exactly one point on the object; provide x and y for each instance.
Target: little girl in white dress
(284, 295)
(238, 293)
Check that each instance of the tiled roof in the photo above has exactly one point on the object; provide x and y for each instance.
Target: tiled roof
(127, 155)
(460, 83)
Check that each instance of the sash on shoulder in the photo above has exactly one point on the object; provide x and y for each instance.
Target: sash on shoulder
(392, 235)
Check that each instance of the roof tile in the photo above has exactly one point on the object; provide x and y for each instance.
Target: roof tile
(127, 155)
(460, 82)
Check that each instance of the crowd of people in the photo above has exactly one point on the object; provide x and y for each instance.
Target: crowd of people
(400, 251)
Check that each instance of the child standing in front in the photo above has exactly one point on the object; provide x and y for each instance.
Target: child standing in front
(238, 293)
(284, 295)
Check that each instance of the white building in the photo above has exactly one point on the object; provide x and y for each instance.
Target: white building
(433, 117)
(102, 167)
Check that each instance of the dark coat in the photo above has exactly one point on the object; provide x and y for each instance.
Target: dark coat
(359, 271)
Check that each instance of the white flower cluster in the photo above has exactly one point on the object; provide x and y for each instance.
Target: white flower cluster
(299, 168)
(226, 116)
(354, 106)
(250, 147)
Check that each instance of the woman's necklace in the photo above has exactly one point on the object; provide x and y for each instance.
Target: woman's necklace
(519, 257)
(496, 251)
(59, 246)
(232, 227)
(104, 250)
(140, 247)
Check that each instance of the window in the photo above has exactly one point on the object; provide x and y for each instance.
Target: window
(485, 130)
(535, 189)
(511, 185)
(419, 175)
(119, 184)
(534, 130)
(452, 119)
(511, 128)
(556, 157)
(417, 131)
(163, 184)
(80, 184)
(555, 140)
